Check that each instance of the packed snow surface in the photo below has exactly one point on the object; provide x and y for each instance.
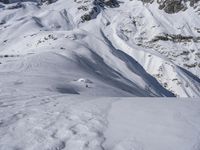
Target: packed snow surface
(63, 122)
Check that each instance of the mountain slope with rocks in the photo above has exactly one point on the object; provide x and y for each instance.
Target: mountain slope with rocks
(131, 47)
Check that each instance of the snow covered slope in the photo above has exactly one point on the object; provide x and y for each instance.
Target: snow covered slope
(66, 67)
(63, 122)
(126, 48)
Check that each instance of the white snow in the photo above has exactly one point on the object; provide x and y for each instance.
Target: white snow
(57, 122)
(73, 84)
(153, 124)
(104, 48)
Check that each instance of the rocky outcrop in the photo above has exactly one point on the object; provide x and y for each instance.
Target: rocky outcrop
(108, 3)
(172, 6)
(176, 38)
(38, 1)
(92, 9)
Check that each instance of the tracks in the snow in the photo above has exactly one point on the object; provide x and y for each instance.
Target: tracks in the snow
(53, 123)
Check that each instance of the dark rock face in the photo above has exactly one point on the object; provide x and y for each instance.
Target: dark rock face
(192, 2)
(38, 1)
(147, 1)
(110, 3)
(176, 38)
(172, 6)
(91, 13)
(47, 1)
(107, 3)
(4, 1)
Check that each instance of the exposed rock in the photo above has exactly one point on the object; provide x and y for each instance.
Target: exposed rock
(38, 1)
(176, 38)
(172, 6)
(110, 3)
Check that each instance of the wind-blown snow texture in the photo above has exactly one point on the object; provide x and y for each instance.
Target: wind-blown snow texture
(60, 122)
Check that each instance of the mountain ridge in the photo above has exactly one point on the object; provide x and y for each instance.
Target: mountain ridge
(128, 43)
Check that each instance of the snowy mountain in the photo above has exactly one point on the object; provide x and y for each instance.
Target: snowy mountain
(124, 48)
(60, 122)
(70, 72)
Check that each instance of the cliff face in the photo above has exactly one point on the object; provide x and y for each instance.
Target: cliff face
(173, 6)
